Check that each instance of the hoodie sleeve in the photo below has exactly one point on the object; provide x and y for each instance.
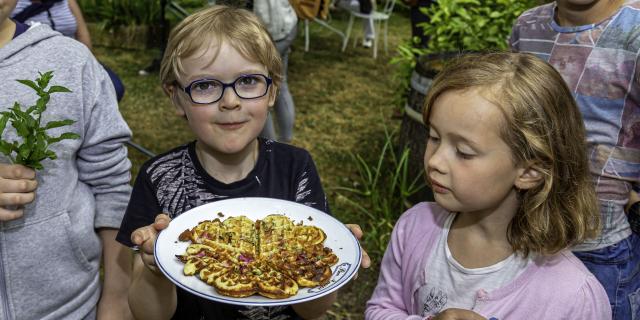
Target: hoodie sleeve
(387, 301)
(102, 159)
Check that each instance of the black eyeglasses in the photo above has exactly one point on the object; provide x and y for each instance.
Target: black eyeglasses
(248, 86)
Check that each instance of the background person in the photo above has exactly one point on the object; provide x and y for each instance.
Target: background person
(281, 22)
(65, 17)
(60, 223)
(594, 46)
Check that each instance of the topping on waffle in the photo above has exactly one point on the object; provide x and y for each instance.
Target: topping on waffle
(272, 257)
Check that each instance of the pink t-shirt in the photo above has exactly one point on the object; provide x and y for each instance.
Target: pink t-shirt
(552, 288)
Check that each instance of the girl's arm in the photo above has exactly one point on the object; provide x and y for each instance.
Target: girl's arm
(116, 260)
(152, 295)
(387, 302)
(82, 31)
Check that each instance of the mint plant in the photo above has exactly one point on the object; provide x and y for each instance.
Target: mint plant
(35, 142)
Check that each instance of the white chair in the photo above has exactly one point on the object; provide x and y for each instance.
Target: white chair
(377, 17)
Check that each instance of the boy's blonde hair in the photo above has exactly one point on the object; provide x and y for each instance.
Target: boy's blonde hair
(544, 129)
(212, 25)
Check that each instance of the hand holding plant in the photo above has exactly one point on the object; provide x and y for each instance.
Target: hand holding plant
(35, 143)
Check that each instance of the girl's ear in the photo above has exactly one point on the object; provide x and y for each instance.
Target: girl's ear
(528, 177)
(172, 92)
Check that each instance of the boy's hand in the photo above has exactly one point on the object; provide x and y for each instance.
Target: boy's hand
(17, 188)
(145, 239)
(355, 229)
(457, 314)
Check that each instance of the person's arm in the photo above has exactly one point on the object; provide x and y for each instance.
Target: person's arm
(457, 314)
(315, 309)
(113, 302)
(387, 301)
(17, 188)
(151, 296)
(82, 31)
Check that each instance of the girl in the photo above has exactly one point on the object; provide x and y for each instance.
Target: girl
(507, 163)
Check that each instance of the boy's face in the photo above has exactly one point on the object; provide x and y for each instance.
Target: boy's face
(229, 125)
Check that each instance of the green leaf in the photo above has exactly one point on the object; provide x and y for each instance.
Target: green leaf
(5, 148)
(31, 84)
(24, 151)
(3, 122)
(51, 155)
(57, 124)
(64, 136)
(55, 89)
(44, 79)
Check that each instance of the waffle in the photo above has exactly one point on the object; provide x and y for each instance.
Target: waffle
(271, 257)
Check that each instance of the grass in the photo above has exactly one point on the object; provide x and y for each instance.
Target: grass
(344, 101)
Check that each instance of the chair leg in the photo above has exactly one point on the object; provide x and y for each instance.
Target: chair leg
(348, 33)
(306, 35)
(386, 31)
(376, 37)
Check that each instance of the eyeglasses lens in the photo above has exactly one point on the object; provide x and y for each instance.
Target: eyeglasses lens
(246, 87)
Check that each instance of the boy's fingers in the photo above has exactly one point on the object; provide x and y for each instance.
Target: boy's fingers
(16, 199)
(16, 171)
(366, 260)
(142, 235)
(355, 229)
(161, 222)
(8, 215)
(18, 185)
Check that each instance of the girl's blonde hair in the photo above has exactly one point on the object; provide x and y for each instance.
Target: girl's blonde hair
(544, 129)
(212, 25)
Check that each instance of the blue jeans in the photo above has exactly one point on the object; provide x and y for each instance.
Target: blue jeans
(617, 267)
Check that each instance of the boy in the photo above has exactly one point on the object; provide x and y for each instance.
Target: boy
(221, 72)
(595, 45)
(57, 224)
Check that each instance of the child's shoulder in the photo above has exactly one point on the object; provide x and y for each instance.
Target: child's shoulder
(175, 156)
(423, 215)
(537, 14)
(283, 150)
(565, 272)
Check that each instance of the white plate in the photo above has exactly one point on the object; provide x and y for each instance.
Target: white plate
(339, 239)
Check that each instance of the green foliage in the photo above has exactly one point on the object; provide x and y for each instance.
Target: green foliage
(471, 25)
(384, 188)
(113, 14)
(35, 141)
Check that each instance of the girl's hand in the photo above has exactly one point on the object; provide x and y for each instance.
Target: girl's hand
(145, 239)
(457, 314)
(355, 229)
(17, 188)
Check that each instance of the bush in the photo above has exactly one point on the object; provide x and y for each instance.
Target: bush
(471, 25)
(113, 14)
(381, 193)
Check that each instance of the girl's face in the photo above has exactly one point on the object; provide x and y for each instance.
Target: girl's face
(230, 125)
(468, 164)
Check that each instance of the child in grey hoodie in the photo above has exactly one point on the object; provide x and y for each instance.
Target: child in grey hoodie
(57, 225)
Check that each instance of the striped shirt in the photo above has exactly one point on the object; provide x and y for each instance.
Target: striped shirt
(600, 64)
(59, 17)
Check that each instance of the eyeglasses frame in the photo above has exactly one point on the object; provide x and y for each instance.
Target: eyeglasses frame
(225, 85)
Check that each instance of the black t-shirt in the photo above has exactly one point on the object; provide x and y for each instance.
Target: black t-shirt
(175, 182)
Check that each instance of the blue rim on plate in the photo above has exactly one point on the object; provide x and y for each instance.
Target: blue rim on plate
(339, 238)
